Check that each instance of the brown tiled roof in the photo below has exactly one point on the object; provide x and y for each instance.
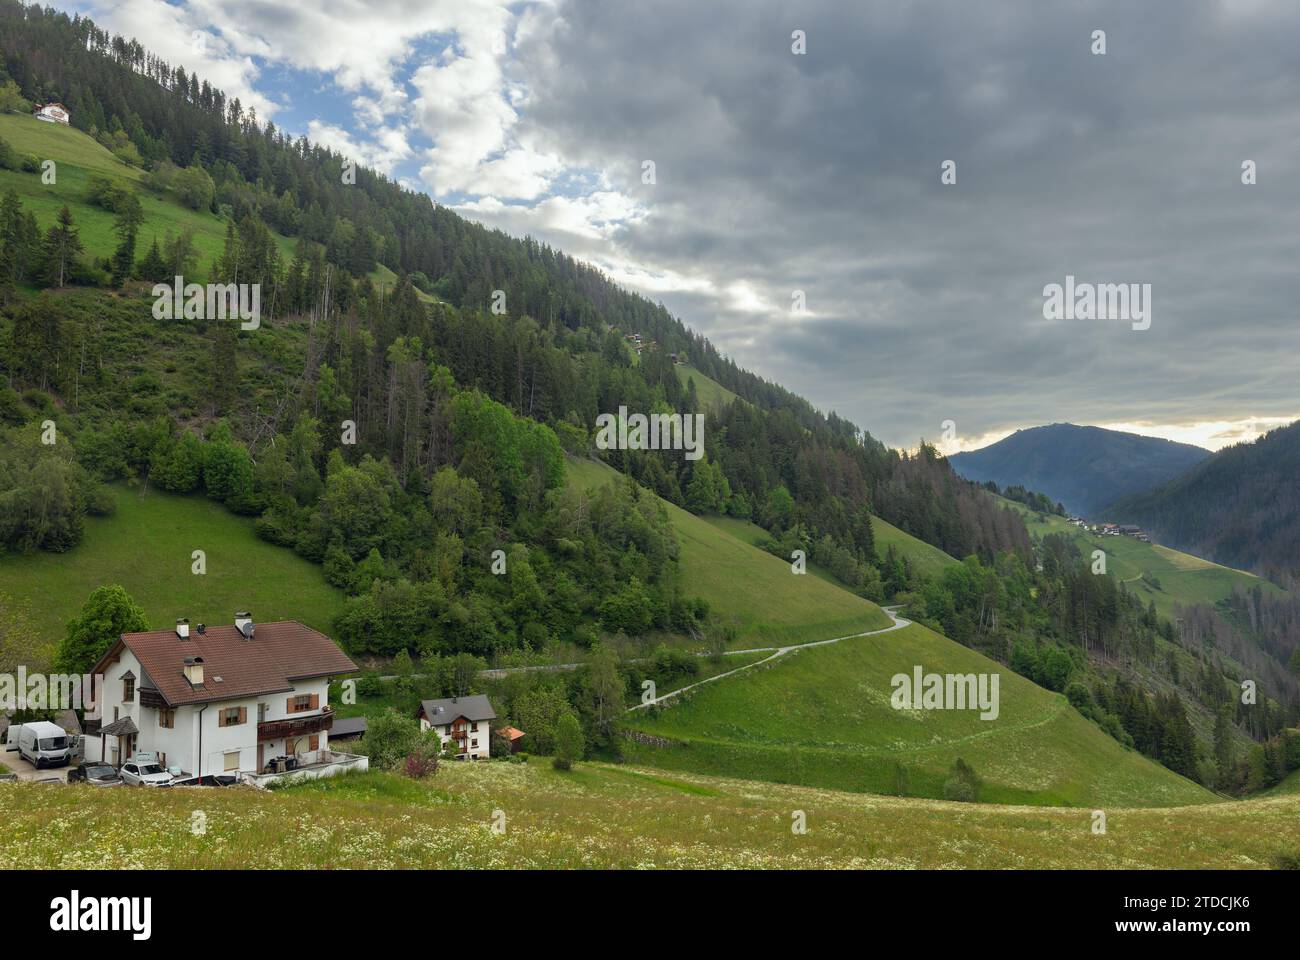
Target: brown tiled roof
(279, 652)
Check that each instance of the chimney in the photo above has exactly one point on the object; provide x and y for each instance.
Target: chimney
(194, 671)
(244, 624)
(183, 628)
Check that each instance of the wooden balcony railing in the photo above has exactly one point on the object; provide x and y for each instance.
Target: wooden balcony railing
(296, 726)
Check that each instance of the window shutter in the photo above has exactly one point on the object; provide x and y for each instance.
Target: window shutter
(315, 701)
(221, 718)
(243, 714)
(314, 743)
(289, 706)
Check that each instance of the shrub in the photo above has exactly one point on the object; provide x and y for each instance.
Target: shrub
(959, 790)
(568, 741)
(423, 760)
(962, 783)
(390, 738)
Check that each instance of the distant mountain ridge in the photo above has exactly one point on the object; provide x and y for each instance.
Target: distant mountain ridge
(1240, 506)
(1084, 468)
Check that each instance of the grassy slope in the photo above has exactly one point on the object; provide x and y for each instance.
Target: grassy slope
(602, 816)
(822, 717)
(1182, 577)
(1290, 786)
(926, 559)
(78, 157)
(753, 591)
(709, 391)
(837, 698)
(146, 546)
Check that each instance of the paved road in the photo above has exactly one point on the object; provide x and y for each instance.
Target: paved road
(898, 624)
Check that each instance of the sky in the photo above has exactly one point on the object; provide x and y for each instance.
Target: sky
(784, 179)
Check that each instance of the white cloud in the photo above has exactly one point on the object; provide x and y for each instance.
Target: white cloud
(382, 151)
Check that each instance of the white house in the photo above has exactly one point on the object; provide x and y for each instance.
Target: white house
(466, 720)
(222, 700)
(53, 113)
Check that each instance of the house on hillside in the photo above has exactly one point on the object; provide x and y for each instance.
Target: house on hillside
(465, 720)
(246, 699)
(53, 113)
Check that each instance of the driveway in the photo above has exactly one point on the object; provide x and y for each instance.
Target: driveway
(12, 763)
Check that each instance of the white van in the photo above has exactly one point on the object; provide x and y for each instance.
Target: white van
(44, 744)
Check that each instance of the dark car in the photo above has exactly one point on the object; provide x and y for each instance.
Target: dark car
(95, 774)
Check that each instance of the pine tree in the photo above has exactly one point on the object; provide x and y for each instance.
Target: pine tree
(129, 217)
(153, 267)
(62, 244)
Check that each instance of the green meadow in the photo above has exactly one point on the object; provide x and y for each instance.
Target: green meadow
(146, 547)
(79, 158)
(750, 590)
(823, 717)
(601, 816)
(1153, 572)
(711, 394)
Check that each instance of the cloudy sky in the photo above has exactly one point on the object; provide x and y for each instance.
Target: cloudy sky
(820, 172)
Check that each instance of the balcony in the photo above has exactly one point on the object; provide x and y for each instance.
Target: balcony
(296, 726)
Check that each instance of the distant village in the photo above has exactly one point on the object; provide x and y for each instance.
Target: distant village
(1110, 529)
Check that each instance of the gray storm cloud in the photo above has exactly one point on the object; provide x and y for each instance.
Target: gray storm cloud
(822, 173)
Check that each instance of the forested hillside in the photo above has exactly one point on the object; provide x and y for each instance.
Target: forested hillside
(430, 388)
(1240, 507)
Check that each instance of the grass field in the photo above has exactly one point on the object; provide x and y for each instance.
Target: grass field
(607, 816)
(822, 717)
(146, 547)
(1151, 571)
(927, 560)
(710, 393)
(79, 157)
(748, 589)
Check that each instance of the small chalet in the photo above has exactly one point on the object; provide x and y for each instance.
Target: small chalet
(244, 699)
(514, 735)
(465, 720)
(53, 113)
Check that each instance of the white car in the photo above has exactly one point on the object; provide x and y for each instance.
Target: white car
(135, 774)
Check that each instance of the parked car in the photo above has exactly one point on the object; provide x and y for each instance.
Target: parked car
(44, 744)
(136, 774)
(95, 774)
(207, 780)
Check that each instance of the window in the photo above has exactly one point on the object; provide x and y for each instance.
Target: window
(232, 716)
(232, 761)
(305, 701)
(474, 742)
(474, 726)
(167, 719)
(128, 690)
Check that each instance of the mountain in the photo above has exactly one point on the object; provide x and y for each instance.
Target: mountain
(1083, 468)
(1239, 507)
